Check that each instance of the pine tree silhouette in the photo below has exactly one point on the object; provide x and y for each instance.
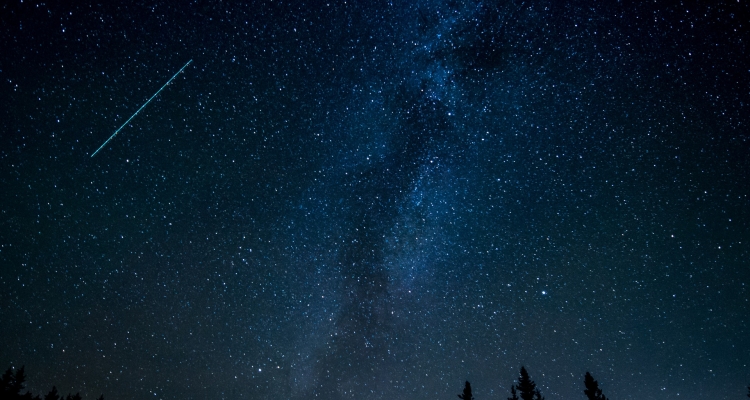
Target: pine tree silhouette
(11, 386)
(592, 390)
(467, 392)
(527, 388)
(513, 395)
(6, 383)
(52, 395)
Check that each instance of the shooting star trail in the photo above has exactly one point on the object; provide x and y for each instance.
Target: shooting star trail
(139, 110)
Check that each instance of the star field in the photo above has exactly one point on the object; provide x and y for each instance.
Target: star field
(371, 200)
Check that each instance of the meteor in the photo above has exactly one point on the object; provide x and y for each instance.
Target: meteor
(139, 110)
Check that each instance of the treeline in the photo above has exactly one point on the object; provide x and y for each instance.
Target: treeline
(13, 384)
(526, 389)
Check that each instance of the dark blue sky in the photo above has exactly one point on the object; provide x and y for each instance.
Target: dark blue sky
(374, 200)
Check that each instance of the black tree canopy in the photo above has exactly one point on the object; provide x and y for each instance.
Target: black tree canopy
(527, 389)
(592, 390)
(467, 392)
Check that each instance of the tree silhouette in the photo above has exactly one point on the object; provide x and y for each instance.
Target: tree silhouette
(467, 392)
(592, 390)
(513, 395)
(11, 386)
(527, 388)
(52, 395)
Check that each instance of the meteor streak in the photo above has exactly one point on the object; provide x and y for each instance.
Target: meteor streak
(139, 110)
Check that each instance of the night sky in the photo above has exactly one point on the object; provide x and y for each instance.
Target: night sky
(376, 200)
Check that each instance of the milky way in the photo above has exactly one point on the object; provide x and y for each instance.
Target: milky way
(379, 200)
